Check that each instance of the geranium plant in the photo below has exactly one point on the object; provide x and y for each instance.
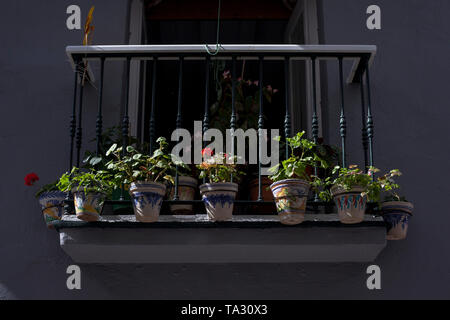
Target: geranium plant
(87, 181)
(246, 102)
(109, 137)
(303, 157)
(32, 178)
(218, 167)
(348, 178)
(133, 166)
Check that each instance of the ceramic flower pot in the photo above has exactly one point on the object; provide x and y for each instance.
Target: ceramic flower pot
(52, 204)
(290, 198)
(219, 199)
(147, 198)
(351, 205)
(396, 214)
(88, 206)
(186, 191)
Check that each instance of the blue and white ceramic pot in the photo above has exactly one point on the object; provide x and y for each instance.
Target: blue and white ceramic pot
(52, 204)
(291, 196)
(219, 199)
(396, 214)
(89, 205)
(351, 204)
(187, 186)
(147, 198)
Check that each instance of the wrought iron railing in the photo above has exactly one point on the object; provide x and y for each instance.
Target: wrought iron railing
(362, 56)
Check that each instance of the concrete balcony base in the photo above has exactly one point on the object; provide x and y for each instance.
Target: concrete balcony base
(246, 239)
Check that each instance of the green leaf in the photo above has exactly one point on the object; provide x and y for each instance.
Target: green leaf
(111, 149)
(95, 160)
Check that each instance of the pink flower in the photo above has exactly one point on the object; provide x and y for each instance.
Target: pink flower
(226, 74)
(207, 151)
(256, 82)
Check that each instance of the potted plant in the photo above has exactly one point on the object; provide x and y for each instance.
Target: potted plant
(90, 190)
(395, 209)
(291, 180)
(98, 161)
(50, 198)
(218, 193)
(351, 188)
(246, 102)
(146, 176)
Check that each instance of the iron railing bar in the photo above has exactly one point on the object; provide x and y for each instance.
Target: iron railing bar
(152, 122)
(179, 118)
(206, 114)
(79, 127)
(233, 106)
(125, 120)
(240, 49)
(287, 117)
(260, 124)
(365, 142)
(342, 120)
(314, 121)
(99, 122)
(73, 122)
(369, 119)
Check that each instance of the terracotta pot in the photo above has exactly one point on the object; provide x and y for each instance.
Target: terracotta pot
(186, 191)
(265, 192)
(291, 196)
(147, 198)
(52, 204)
(351, 205)
(88, 206)
(219, 199)
(396, 214)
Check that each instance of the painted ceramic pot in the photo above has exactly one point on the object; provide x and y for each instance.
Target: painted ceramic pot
(219, 199)
(290, 196)
(396, 214)
(52, 204)
(88, 206)
(351, 205)
(187, 187)
(147, 198)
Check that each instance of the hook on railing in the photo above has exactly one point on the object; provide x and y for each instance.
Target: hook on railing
(218, 46)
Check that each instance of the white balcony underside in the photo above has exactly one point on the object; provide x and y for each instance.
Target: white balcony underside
(248, 239)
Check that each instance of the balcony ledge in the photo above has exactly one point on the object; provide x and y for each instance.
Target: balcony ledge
(246, 239)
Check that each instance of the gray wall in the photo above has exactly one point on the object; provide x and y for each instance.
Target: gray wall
(409, 88)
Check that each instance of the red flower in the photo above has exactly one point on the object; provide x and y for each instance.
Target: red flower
(31, 178)
(207, 151)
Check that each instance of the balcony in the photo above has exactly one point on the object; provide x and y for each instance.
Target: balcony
(252, 236)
